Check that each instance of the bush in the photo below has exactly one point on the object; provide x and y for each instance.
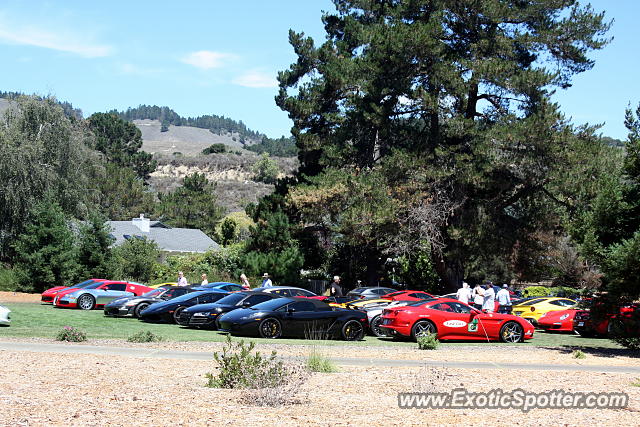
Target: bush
(536, 291)
(9, 280)
(145, 336)
(317, 362)
(268, 381)
(71, 334)
(215, 148)
(428, 342)
(579, 354)
(632, 343)
(136, 259)
(265, 170)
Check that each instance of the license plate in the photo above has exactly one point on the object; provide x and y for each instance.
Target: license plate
(580, 323)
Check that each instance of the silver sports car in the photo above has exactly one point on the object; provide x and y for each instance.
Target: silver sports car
(5, 318)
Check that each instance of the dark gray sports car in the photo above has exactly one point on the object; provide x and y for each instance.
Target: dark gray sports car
(133, 306)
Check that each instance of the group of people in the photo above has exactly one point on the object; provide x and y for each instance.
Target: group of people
(266, 280)
(484, 297)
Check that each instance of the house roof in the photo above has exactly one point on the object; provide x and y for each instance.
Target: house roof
(168, 239)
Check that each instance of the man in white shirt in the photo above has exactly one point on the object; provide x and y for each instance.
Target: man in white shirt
(489, 302)
(182, 281)
(504, 299)
(464, 293)
(266, 282)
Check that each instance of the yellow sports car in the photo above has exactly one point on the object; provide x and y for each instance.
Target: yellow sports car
(360, 304)
(535, 308)
(163, 284)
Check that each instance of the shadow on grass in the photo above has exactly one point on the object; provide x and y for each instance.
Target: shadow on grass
(597, 351)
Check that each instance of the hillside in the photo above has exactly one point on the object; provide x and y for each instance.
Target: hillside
(187, 140)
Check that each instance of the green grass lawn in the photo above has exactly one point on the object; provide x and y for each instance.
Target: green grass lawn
(39, 320)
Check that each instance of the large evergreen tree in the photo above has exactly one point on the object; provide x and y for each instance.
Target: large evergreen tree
(429, 122)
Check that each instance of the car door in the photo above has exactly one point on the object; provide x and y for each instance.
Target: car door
(110, 292)
(302, 320)
(454, 320)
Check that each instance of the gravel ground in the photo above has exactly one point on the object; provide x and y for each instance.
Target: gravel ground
(61, 389)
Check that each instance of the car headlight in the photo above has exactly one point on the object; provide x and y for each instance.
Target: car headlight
(201, 314)
(564, 316)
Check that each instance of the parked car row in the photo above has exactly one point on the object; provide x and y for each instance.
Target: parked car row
(284, 311)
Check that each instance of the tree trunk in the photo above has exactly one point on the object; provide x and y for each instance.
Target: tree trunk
(451, 271)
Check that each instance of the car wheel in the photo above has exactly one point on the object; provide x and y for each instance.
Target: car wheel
(375, 327)
(140, 308)
(511, 332)
(86, 302)
(176, 315)
(270, 328)
(423, 328)
(352, 331)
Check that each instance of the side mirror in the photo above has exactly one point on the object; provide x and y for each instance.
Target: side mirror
(291, 310)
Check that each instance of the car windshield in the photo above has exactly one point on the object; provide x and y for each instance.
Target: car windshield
(93, 285)
(533, 301)
(358, 290)
(83, 284)
(272, 305)
(421, 302)
(154, 293)
(188, 296)
(232, 299)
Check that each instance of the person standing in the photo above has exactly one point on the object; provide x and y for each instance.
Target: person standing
(205, 281)
(489, 299)
(266, 281)
(504, 299)
(335, 289)
(182, 281)
(245, 282)
(478, 297)
(464, 293)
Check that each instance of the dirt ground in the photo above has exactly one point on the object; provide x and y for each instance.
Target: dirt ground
(18, 297)
(64, 389)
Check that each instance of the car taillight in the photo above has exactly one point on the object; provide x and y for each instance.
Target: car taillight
(533, 309)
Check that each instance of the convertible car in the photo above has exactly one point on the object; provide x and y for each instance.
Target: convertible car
(49, 295)
(98, 294)
(133, 305)
(5, 318)
(295, 317)
(450, 319)
(205, 315)
(170, 310)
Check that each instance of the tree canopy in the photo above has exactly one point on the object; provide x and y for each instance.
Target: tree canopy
(428, 124)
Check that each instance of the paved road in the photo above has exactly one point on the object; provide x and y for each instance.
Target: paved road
(343, 361)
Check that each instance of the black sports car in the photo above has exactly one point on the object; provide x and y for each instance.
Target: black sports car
(133, 306)
(295, 317)
(170, 310)
(205, 315)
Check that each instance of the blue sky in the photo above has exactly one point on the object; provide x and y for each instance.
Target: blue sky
(221, 57)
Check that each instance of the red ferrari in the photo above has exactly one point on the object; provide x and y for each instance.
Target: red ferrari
(450, 319)
(407, 296)
(557, 321)
(50, 294)
(607, 322)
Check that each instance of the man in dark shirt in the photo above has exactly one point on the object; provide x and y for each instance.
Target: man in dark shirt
(335, 289)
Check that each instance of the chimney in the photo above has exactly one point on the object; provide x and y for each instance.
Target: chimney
(142, 223)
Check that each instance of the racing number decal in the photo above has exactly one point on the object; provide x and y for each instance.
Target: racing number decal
(473, 326)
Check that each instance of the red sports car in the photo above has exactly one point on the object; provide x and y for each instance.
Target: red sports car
(50, 294)
(99, 293)
(557, 321)
(451, 319)
(607, 322)
(407, 296)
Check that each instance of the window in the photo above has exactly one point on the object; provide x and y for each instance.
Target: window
(460, 308)
(303, 306)
(282, 292)
(301, 293)
(380, 291)
(116, 287)
(256, 299)
(420, 295)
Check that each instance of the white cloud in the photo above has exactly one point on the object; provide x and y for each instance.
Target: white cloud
(206, 59)
(62, 41)
(256, 79)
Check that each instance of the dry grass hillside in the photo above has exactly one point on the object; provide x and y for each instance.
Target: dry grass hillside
(231, 173)
(189, 141)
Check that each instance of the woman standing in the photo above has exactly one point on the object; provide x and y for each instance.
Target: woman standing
(245, 282)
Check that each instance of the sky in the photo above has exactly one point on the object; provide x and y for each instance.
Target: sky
(221, 57)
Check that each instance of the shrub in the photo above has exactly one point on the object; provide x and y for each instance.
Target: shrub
(317, 362)
(579, 354)
(636, 383)
(536, 291)
(145, 336)
(267, 380)
(428, 342)
(265, 170)
(215, 148)
(71, 334)
(632, 343)
(9, 280)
